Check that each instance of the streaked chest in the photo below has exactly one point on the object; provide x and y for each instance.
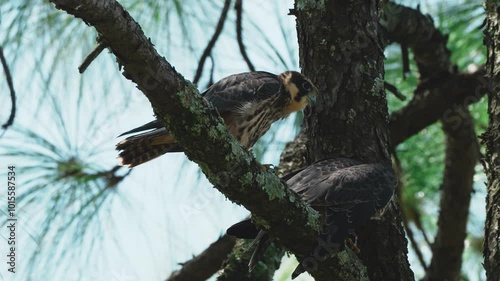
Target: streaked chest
(252, 121)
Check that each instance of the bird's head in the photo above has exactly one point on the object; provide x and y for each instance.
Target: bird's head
(301, 90)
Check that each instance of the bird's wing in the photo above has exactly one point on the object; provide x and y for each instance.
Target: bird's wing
(350, 193)
(309, 182)
(342, 183)
(231, 93)
(156, 124)
(365, 184)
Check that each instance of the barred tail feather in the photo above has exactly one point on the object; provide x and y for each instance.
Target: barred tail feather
(141, 148)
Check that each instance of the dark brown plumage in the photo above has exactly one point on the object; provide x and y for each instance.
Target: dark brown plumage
(248, 102)
(345, 191)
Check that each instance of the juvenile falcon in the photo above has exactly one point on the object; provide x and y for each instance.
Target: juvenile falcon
(248, 102)
(345, 191)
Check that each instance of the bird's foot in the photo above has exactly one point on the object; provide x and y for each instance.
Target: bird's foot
(353, 246)
(264, 167)
(352, 242)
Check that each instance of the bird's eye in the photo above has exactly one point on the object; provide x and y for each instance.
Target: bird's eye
(306, 86)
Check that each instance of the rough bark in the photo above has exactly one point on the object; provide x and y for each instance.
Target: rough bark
(196, 125)
(206, 141)
(340, 47)
(492, 140)
(204, 265)
(236, 266)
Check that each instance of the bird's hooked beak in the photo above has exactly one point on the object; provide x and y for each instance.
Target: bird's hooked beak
(311, 97)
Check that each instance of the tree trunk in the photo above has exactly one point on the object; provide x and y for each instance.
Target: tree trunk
(340, 47)
(492, 140)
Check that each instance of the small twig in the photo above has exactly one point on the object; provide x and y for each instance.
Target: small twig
(391, 88)
(406, 60)
(211, 43)
(8, 76)
(92, 56)
(111, 176)
(399, 193)
(414, 244)
(212, 70)
(418, 224)
(239, 33)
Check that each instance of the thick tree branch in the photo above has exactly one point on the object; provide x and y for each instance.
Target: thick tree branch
(434, 101)
(462, 154)
(204, 265)
(236, 267)
(492, 140)
(440, 89)
(416, 31)
(238, 254)
(195, 124)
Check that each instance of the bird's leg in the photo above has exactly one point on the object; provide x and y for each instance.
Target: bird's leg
(264, 167)
(352, 241)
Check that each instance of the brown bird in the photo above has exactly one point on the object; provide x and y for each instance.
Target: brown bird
(248, 102)
(345, 191)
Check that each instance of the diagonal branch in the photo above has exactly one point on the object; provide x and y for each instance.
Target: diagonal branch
(92, 56)
(236, 267)
(434, 101)
(411, 28)
(204, 265)
(196, 125)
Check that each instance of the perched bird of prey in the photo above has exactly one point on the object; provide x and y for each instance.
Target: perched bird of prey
(248, 102)
(345, 191)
